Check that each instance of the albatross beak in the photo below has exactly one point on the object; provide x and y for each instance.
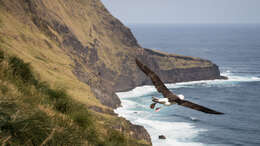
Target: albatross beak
(157, 109)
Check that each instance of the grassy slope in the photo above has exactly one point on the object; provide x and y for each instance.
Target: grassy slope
(32, 113)
(51, 63)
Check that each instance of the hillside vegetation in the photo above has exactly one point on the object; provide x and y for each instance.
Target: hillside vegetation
(32, 113)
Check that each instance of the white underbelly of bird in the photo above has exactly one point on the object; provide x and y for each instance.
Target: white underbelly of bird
(164, 101)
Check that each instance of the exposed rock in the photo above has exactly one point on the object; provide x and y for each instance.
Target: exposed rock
(137, 132)
(162, 137)
(101, 110)
(168, 76)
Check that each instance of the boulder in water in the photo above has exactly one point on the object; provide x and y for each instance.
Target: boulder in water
(162, 137)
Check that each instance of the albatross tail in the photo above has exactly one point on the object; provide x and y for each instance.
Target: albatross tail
(154, 99)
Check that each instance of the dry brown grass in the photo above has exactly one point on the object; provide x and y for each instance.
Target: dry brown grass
(51, 64)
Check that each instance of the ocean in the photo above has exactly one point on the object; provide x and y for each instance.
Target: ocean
(235, 48)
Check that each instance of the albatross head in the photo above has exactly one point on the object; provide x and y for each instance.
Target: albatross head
(181, 96)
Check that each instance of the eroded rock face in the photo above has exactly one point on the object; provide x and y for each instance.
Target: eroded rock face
(174, 75)
(136, 131)
(140, 132)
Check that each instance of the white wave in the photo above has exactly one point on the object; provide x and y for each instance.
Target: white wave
(177, 133)
(242, 78)
(193, 119)
(138, 91)
(127, 103)
(231, 78)
(148, 89)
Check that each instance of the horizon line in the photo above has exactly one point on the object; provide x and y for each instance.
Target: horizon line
(257, 23)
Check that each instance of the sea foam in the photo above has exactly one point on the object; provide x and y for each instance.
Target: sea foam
(177, 133)
(149, 89)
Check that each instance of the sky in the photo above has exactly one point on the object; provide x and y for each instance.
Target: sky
(185, 11)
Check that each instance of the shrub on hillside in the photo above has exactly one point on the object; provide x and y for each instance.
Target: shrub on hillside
(22, 70)
(1, 56)
(60, 100)
(115, 138)
(30, 131)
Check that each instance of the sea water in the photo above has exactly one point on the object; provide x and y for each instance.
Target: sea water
(236, 50)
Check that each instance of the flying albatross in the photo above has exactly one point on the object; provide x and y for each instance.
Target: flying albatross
(169, 97)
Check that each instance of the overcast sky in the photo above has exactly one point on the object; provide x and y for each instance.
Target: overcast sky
(185, 11)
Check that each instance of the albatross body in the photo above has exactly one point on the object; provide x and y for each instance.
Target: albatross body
(170, 98)
(164, 101)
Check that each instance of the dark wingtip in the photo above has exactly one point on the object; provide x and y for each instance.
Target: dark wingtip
(217, 113)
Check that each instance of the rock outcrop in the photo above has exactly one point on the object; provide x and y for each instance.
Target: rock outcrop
(161, 137)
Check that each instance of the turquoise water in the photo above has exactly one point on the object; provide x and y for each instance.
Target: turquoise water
(236, 49)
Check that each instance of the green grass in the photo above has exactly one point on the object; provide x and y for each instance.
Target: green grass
(3, 89)
(31, 130)
(34, 126)
(1, 23)
(115, 139)
(68, 122)
(22, 71)
(60, 100)
(1, 56)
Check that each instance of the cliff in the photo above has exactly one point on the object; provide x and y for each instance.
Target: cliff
(78, 45)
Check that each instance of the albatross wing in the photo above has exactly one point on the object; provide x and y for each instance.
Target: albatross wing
(159, 85)
(198, 107)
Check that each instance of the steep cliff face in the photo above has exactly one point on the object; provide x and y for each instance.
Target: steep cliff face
(176, 69)
(79, 45)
